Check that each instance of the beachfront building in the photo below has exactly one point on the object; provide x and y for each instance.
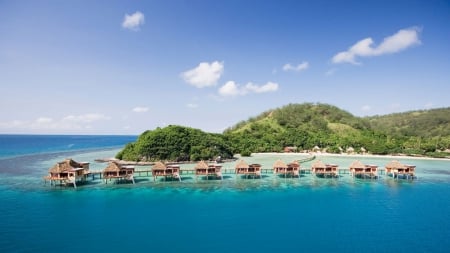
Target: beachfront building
(242, 168)
(358, 169)
(68, 172)
(203, 169)
(159, 169)
(321, 169)
(398, 170)
(117, 171)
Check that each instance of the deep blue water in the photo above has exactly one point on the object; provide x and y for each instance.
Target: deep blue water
(233, 215)
(16, 145)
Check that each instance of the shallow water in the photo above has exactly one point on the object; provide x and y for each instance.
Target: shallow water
(234, 215)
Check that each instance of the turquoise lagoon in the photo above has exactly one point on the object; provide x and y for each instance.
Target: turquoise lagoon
(304, 214)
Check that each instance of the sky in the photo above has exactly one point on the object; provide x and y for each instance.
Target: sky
(123, 67)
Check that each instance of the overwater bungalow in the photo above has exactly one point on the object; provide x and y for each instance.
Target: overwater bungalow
(358, 169)
(321, 169)
(68, 172)
(397, 170)
(117, 171)
(203, 169)
(292, 169)
(279, 167)
(242, 168)
(159, 169)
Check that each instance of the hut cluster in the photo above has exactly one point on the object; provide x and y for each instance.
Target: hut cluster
(71, 172)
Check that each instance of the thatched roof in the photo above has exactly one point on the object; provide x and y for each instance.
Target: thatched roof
(242, 165)
(159, 166)
(294, 164)
(64, 166)
(112, 166)
(279, 164)
(318, 164)
(201, 165)
(357, 165)
(394, 165)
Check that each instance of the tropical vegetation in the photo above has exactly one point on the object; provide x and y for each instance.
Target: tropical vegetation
(303, 127)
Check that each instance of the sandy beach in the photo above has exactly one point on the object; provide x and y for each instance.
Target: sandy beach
(359, 156)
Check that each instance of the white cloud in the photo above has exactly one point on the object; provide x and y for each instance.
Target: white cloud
(428, 105)
(133, 21)
(401, 40)
(68, 123)
(140, 109)
(192, 106)
(366, 108)
(231, 89)
(331, 72)
(204, 75)
(302, 66)
(86, 118)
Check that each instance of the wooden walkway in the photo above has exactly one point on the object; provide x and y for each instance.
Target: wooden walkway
(225, 171)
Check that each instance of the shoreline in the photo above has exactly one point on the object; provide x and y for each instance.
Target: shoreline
(355, 155)
(317, 154)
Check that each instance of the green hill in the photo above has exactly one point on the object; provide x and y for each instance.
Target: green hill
(176, 143)
(303, 126)
(328, 127)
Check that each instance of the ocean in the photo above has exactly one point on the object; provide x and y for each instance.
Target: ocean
(305, 214)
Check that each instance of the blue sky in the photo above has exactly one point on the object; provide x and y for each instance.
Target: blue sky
(122, 67)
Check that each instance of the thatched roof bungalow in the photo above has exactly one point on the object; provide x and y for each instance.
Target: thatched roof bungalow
(396, 169)
(293, 168)
(159, 169)
(358, 169)
(319, 168)
(115, 170)
(68, 172)
(242, 168)
(279, 167)
(203, 169)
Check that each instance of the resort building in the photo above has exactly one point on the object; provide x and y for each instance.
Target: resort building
(203, 169)
(292, 169)
(159, 169)
(68, 172)
(358, 169)
(321, 169)
(242, 168)
(119, 172)
(279, 167)
(397, 170)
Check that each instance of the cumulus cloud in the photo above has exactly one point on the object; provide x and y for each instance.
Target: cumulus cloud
(204, 75)
(140, 109)
(67, 123)
(401, 40)
(300, 67)
(231, 89)
(134, 21)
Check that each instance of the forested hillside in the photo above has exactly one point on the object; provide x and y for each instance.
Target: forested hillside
(176, 143)
(304, 127)
(308, 125)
